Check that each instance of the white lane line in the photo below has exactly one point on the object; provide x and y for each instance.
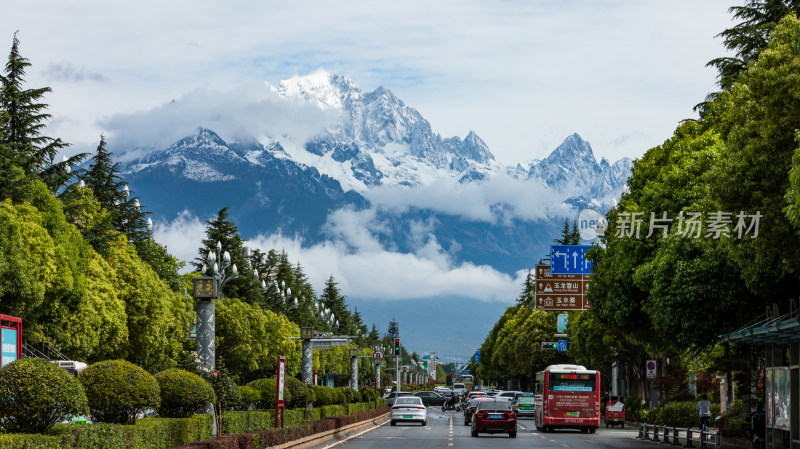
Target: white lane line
(521, 427)
(356, 435)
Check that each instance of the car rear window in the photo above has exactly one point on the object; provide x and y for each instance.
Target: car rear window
(408, 401)
(494, 405)
(526, 400)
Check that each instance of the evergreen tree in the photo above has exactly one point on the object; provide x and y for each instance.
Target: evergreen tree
(575, 235)
(528, 293)
(394, 330)
(102, 177)
(333, 300)
(566, 235)
(748, 37)
(224, 234)
(374, 337)
(22, 124)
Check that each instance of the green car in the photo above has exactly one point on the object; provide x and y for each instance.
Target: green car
(524, 406)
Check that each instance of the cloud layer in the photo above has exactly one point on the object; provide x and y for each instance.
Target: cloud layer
(521, 74)
(363, 268)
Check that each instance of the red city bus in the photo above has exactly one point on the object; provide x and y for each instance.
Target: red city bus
(567, 397)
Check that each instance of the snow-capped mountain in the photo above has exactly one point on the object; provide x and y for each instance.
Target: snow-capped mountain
(378, 144)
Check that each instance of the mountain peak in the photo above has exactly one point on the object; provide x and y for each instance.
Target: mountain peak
(573, 147)
(321, 87)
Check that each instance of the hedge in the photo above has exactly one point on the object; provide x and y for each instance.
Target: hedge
(162, 433)
(147, 433)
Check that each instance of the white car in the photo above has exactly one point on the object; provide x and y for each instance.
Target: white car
(409, 409)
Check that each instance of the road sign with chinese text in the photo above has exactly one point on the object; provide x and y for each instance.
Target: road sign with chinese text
(560, 291)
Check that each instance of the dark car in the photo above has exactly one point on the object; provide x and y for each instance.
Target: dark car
(494, 417)
(430, 398)
(470, 408)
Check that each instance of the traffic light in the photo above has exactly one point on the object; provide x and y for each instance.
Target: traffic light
(396, 346)
(549, 345)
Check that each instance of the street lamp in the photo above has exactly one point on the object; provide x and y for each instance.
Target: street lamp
(205, 289)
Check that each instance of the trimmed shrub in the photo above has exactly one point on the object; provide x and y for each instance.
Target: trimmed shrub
(267, 389)
(678, 414)
(118, 391)
(182, 393)
(35, 394)
(323, 396)
(339, 398)
(251, 397)
(299, 393)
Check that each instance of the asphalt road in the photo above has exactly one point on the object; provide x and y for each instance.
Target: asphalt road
(447, 430)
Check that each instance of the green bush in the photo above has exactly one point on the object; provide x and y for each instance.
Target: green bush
(35, 394)
(299, 393)
(677, 414)
(633, 408)
(339, 398)
(367, 394)
(323, 396)
(267, 389)
(251, 398)
(182, 393)
(118, 391)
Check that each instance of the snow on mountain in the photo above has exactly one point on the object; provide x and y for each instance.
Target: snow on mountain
(378, 139)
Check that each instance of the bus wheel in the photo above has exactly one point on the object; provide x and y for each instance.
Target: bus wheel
(592, 430)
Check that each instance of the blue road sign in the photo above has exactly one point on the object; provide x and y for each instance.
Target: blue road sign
(477, 357)
(569, 259)
(464, 371)
(562, 345)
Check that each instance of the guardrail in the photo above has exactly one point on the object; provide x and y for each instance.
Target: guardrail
(690, 436)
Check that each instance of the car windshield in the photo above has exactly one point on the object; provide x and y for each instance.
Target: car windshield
(494, 405)
(408, 401)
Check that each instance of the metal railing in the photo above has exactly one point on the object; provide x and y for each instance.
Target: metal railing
(673, 436)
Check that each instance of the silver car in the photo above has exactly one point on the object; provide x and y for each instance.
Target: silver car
(409, 409)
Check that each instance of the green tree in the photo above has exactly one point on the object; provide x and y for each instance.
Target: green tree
(126, 214)
(335, 302)
(758, 18)
(223, 233)
(23, 123)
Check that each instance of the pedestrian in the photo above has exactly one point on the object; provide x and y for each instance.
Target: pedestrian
(704, 412)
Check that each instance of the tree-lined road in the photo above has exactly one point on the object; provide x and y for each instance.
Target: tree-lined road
(447, 430)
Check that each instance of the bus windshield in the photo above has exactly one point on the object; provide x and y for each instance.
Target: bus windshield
(572, 381)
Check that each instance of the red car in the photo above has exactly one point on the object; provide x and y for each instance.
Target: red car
(494, 417)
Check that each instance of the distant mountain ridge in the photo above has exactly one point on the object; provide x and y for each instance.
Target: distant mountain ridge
(272, 184)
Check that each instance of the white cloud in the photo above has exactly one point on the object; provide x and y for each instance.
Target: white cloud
(182, 236)
(372, 272)
(522, 74)
(500, 197)
(242, 113)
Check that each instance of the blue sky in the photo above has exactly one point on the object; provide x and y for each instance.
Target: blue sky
(522, 74)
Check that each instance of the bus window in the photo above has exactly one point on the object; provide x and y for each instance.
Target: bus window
(572, 382)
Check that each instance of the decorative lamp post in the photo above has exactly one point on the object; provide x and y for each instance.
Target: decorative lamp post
(207, 288)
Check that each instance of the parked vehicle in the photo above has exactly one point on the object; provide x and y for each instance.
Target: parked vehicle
(525, 406)
(494, 416)
(409, 409)
(430, 397)
(615, 412)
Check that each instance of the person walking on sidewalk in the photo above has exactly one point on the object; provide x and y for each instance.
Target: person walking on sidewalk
(704, 412)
